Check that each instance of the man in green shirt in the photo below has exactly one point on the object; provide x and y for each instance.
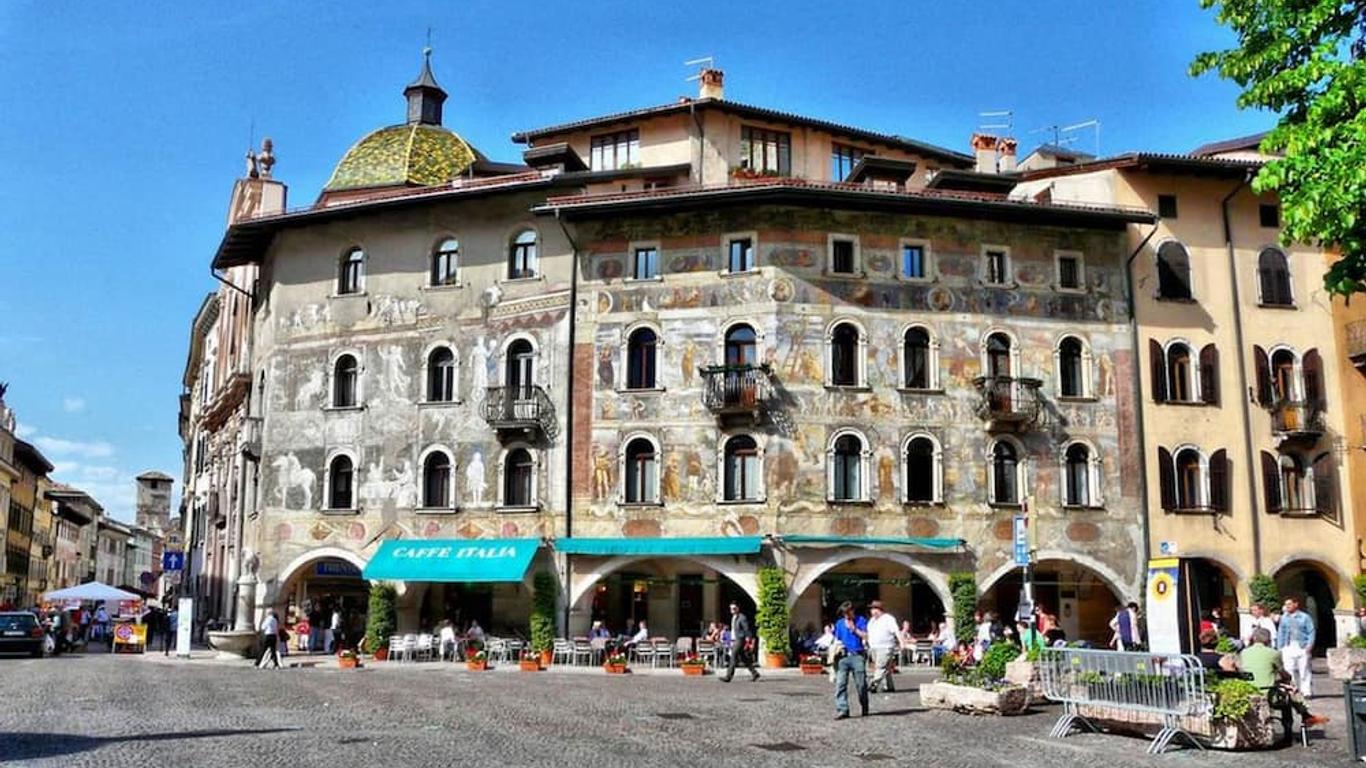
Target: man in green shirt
(1264, 664)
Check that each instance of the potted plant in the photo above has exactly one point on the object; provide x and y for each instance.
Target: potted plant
(382, 619)
(615, 663)
(771, 616)
(693, 666)
(530, 662)
(978, 689)
(477, 661)
(811, 664)
(347, 659)
(543, 617)
(963, 590)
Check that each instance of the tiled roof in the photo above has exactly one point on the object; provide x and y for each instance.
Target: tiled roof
(1229, 145)
(1158, 161)
(410, 154)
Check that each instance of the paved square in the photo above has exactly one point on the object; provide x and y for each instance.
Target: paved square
(115, 711)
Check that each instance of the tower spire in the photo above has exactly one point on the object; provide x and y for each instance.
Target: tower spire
(424, 96)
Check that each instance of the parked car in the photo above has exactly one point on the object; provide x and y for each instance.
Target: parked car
(20, 632)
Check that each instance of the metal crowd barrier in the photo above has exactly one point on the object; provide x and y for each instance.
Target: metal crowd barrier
(1170, 687)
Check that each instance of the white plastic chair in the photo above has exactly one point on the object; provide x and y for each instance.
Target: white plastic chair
(562, 649)
(396, 648)
(597, 649)
(682, 647)
(664, 650)
(447, 643)
(426, 650)
(409, 647)
(585, 649)
(706, 651)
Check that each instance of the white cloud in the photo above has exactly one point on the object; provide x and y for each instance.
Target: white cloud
(114, 488)
(56, 446)
(73, 404)
(24, 431)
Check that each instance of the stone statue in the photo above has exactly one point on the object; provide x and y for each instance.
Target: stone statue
(250, 564)
(266, 160)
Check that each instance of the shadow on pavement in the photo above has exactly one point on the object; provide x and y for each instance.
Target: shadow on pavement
(34, 746)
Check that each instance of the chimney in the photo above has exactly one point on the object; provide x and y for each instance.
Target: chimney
(984, 148)
(1007, 159)
(710, 84)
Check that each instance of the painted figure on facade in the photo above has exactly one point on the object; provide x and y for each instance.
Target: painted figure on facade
(602, 474)
(395, 380)
(293, 475)
(476, 484)
(670, 484)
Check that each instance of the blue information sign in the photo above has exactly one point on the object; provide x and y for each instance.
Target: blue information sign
(172, 561)
(1021, 540)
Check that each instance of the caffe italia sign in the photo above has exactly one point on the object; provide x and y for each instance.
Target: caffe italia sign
(452, 560)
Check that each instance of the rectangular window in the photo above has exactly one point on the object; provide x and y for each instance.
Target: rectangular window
(997, 266)
(1069, 271)
(614, 151)
(1166, 206)
(766, 152)
(741, 257)
(1270, 215)
(842, 257)
(646, 264)
(843, 158)
(913, 265)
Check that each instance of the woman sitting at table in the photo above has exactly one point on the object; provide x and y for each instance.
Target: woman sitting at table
(600, 631)
(713, 632)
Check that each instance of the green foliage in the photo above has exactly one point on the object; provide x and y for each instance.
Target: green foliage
(994, 661)
(989, 673)
(1306, 61)
(543, 612)
(1264, 592)
(381, 620)
(1225, 645)
(1232, 698)
(963, 590)
(1359, 583)
(1357, 641)
(771, 617)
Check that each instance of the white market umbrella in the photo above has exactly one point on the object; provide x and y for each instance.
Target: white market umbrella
(93, 590)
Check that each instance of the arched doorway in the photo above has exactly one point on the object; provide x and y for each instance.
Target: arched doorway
(675, 596)
(319, 582)
(1212, 586)
(1316, 588)
(904, 593)
(1082, 599)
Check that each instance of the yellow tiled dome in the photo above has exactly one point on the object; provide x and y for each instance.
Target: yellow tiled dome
(416, 154)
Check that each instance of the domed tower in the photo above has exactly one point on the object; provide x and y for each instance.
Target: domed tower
(420, 152)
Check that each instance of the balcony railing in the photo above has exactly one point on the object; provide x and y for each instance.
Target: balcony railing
(1008, 402)
(1297, 419)
(736, 389)
(521, 409)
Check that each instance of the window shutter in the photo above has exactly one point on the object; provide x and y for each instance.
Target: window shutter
(1312, 366)
(1264, 395)
(1166, 473)
(1218, 480)
(1209, 374)
(1325, 486)
(1157, 360)
(1271, 482)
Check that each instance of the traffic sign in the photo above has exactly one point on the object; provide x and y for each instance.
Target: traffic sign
(172, 561)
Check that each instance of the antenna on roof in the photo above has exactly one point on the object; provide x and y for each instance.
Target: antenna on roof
(998, 119)
(707, 62)
(1063, 134)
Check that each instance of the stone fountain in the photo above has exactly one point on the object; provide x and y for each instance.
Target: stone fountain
(240, 641)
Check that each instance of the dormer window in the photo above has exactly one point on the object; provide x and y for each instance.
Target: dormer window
(768, 153)
(614, 151)
(843, 158)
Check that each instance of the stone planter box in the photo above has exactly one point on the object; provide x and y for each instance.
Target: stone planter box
(1025, 674)
(1257, 730)
(1343, 663)
(1011, 700)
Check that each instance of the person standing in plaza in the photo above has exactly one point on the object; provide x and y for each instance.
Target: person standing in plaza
(169, 631)
(883, 641)
(1295, 638)
(1259, 620)
(741, 641)
(851, 630)
(270, 641)
(334, 630)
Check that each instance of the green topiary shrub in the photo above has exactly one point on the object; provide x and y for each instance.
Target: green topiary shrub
(381, 620)
(771, 619)
(963, 590)
(992, 667)
(543, 612)
(1264, 592)
(1359, 582)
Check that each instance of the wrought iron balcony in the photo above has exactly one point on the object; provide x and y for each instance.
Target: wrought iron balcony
(520, 410)
(736, 389)
(1297, 420)
(1008, 402)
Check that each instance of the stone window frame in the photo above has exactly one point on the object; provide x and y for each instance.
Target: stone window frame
(931, 264)
(1095, 481)
(423, 507)
(760, 442)
(1293, 302)
(937, 468)
(534, 495)
(725, 328)
(624, 357)
(537, 375)
(1010, 281)
(1015, 354)
(1021, 471)
(509, 245)
(932, 373)
(860, 354)
(331, 379)
(426, 373)
(858, 270)
(628, 274)
(654, 498)
(342, 260)
(1058, 256)
(864, 495)
(1194, 383)
(354, 457)
(1087, 363)
(1202, 483)
(726, 239)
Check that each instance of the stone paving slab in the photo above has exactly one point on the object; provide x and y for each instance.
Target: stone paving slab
(117, 711)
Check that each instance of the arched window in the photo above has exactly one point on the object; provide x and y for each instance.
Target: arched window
(1173, 271)
(918, 359)
(922, 470)
(1190, 480)
(741, 469)
(1077, 476)
(844, 355)
(998, 356)
(1180, 374)
(641, 472)
(520, 375)
(741, 346)
(522, 260)
(640, 359)
(441, 375)
(518, 479)
(345, 382)
(846, 468)
(1294, 497)
(340, 475)
(446, 263)
(1071, 368)
(436, 480)
(1005, 473)
(351, 272)
(1283, 386)
(1273, 278)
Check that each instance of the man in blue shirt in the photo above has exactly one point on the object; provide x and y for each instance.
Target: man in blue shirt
(852, 632)
(1295, 638)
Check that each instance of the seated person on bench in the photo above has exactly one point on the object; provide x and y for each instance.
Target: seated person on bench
(1264, 664)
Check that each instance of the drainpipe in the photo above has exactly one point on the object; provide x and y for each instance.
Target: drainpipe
(1243, 390)
(1146, 551)
(569, 412)
(701, 142)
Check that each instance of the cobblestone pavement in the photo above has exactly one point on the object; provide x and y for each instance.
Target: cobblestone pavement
(124, 711)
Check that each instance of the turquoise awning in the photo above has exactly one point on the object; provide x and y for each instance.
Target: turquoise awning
(451, 560)
(872, 541)
(677, 547)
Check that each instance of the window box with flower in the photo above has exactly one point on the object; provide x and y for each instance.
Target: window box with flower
(348, 659)
(615, 663)
(693, 666)
(530, 662)
(477, 661)
(811, 664)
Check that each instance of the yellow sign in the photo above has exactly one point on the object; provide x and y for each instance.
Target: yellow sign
(132, 638)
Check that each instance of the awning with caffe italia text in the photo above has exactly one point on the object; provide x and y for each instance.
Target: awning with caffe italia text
(451, 560)
(682, 546)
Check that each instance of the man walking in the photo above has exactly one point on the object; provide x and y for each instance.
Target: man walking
(1295, 638)
(334, 630)
(741, 638)
(169, 631)
(852, 632)
(270, 642)
(883, 642)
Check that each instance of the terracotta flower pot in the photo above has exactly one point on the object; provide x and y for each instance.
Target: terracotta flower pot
(547, 657)
(775, 660)
(615, 669)
(348, 663)
(530, 665)
(693, 670)
(476, 666)
(382, 654)
(812, 669)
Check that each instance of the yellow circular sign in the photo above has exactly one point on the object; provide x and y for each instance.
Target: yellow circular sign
(1162, 586)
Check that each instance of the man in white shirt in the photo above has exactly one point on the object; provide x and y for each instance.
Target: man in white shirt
(270, 642)
(642, 634)
(882, 645)
(1258, 621)
(334, 631)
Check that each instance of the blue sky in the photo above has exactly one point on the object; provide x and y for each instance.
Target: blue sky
(123, 125)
